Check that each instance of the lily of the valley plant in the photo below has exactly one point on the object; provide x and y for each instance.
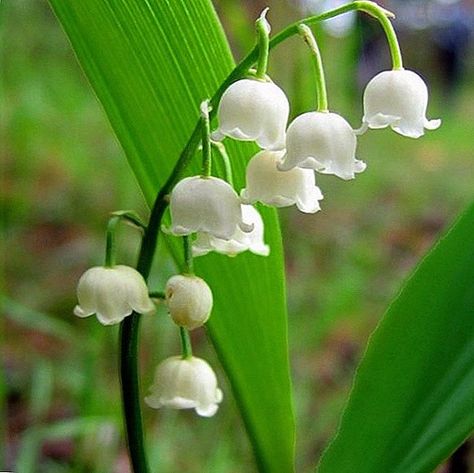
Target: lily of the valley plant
(211, 215)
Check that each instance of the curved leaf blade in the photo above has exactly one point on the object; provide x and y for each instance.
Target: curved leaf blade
(413, 395)
(151, 63)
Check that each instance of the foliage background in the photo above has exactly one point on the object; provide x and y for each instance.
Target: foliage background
(63, 172)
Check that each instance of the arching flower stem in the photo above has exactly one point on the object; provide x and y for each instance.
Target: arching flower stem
(310, 40)
(129, 328)
(263, 43)
(383, 16)
(127, 215)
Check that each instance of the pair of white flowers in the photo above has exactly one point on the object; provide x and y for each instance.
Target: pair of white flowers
(255, 110)
(113, 293)
(180, 382)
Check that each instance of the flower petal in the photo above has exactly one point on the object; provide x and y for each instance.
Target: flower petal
(81, 313)
(432, 124)
(112, 293)
(205, 204)
(185, 383)
(267, 184)
(399, 99)
(254, 110)
(321, 141)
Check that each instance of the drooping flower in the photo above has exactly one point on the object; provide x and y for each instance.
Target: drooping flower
(185, 383)
(206, 204)
(189, 300)
(267, 184)
(397, 98)
(112, 294)
(254, 110)
(322, 141)
(240, 241)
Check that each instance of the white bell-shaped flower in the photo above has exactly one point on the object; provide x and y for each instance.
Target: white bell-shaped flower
(112, 294)
(185, 383)
(189, 300)
(322, 141)
(254, 110)
(398, 99)
(267, 184)
(206, 204)
(240, 241)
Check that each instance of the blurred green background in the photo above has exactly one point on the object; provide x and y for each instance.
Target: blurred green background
(63, 172)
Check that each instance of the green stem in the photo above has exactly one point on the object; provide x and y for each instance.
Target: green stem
(263, 42)
(188, 255)
(220, 147)
(206, 140)
(129, 327)
(185, 343)
(3, 394)
(110, 244)
(322, 99)
(383, 16)
(129, 380)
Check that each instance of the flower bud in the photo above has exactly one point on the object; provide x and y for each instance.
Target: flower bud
(322, 141)
(112, 294)
(206, 204)
(267, 184)
(254, 110)
(398, 99)
(189, 300)
(240, 241)
(188, 383)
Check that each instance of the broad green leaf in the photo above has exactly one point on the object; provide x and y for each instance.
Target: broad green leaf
(413, 395)
(151, 62)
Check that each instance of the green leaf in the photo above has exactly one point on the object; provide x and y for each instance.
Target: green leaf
(151, 63)
(413, 395)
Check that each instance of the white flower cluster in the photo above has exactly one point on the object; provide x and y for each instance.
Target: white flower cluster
(113, 293)
(282, 174)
